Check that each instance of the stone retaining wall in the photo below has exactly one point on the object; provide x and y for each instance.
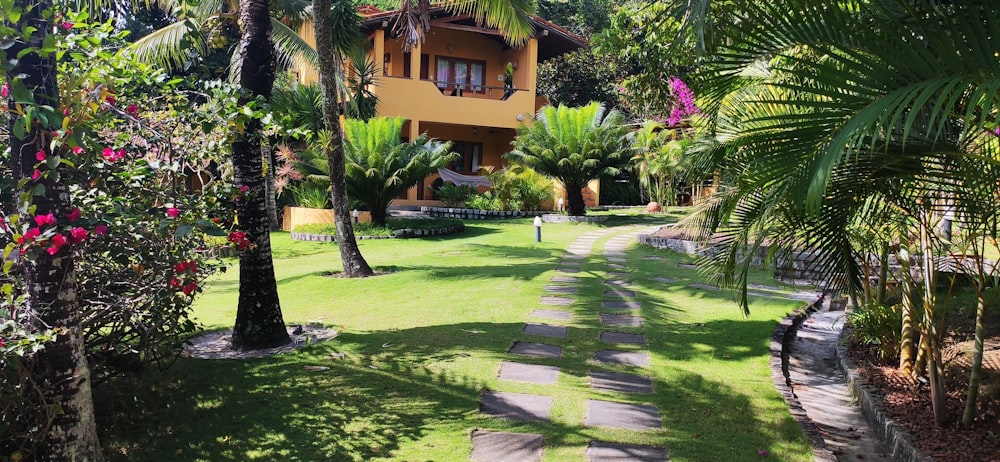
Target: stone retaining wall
(556, 218)
(476, 214)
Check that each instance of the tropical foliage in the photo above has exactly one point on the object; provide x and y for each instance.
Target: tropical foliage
(380, 166)
(574, 145)
(658, 160)
(860, 112)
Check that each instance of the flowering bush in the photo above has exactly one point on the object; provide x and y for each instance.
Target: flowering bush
(138, 153)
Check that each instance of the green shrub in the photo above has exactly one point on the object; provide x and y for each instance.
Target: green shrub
(878, 326)
(311, 196)
(484, 201)
(454, 195)
(368, 229)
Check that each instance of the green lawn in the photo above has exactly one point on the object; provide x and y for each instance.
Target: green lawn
(420, 343)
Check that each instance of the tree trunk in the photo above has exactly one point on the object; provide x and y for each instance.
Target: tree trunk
(574, 193)
(62, 370)
(259, 323)
(270, 199)
(379, 214)
(930, 324)
(883, 273)
(906, 337)
(975, 376)
(354, 263)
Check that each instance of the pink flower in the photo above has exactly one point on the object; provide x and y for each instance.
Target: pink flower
(100, 230)
(175, 283)
(119, 154)
(66, 112)
(74, 214)
(4, 91)
(77, 150)
(78, 234)
(762, 452)
(40, 155)
(43, 220)
(66, 25)
(29, 236)
(244, 189)
(107, 153)
(132, 109)
(172, 212)
(36, 174)
(110, 99)
(59, 240)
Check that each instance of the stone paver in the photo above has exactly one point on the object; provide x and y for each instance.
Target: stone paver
(622, 337)
(600, 451)
(564, 279)
(571, 263)
(545, 330)
(533, 373)
(622, 415)
(631, 358)
(617, 266)
(619, 293)
(614, 254)
(504, 446)
(664, 280)
(542, 350)
(617, 274)
(551, 314)
(616, 260)
(703, 286)
(621, 383)
(564, 269)
(559, 301)
(573, 256)
(516, 406)
(687, 265)
(561, 289)
(621, 305)
(623, 320)
(617, 283)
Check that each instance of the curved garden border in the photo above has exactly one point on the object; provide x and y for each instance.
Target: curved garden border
(397, 234)
(476, 214)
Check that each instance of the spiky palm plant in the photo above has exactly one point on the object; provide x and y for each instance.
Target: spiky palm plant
(574, 145)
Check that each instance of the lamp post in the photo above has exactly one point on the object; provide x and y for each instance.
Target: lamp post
(538, 229)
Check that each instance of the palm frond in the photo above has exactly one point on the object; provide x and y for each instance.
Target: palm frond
(169, 46)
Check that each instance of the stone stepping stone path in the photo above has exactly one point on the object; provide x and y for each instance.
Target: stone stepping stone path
(629, 358)
(621, 320)
(561, 289)
(618, 295)
(600, 451)
(552, 314)
(559, 301)
(516, 406)
(564, 279)
(622, 338)
(545, 330)
(620, 382)
(497, 446)
(704, 286)
(541, 350)
(622, 415)
(620, 305)
(664, 280)
(533, 373)
(687, 265)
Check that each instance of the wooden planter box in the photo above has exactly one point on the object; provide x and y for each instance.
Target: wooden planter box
(295, 216)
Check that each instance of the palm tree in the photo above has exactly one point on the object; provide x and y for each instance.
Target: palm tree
(61, 367)
(380, 166)
(827, 114)
(259, 322)
(204, 26)
(573, 145)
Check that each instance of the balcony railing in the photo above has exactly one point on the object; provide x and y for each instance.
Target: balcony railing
(473, 91)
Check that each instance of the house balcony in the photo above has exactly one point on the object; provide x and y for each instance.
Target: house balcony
(445, 102)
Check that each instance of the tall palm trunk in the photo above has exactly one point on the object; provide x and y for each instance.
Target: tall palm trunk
(354, 263)
(574, 194)
(907, 346)
(930, 335)
(270, 199)
(259, 323)
(62, 369)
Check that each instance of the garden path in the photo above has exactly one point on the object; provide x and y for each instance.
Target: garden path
(620, 318)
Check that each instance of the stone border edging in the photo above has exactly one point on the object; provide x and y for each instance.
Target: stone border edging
(557, 218)
(893, 436)
(476, 214)
(781, 342)
(397, 234)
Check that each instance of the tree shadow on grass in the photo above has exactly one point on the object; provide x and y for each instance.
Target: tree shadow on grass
(388, 389)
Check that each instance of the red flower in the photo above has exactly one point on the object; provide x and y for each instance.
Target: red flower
(119, 154)
(175, 283)
(1, 342)
(36, 174)
(77, 150)
(172, 212)
(40, 155)
(29, 236)
(192, 266)
(100, 230)
(58, 241)
(47, 219)
(132, 109)
(66, 112)
(180, 267)
(78, 234)
(74, 214)
(189, 288)
(244, 189)
(66, 25)
(110, 99)
(107, 153)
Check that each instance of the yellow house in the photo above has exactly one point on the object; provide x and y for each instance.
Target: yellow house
(452, 86)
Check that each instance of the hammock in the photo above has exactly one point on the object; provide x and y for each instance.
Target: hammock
(459, 179)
